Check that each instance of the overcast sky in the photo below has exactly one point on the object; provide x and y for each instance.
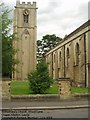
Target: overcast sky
(59, 17)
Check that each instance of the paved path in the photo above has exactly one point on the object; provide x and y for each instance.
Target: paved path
(29, 109)
(15, 104)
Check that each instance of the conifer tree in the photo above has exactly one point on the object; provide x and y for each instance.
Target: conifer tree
(40, 80)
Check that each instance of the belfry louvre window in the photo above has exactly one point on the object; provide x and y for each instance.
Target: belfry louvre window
(26, 16)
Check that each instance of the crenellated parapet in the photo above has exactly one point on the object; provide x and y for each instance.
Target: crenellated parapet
(27, 4)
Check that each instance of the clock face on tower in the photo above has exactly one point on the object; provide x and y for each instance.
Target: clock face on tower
(26, 16)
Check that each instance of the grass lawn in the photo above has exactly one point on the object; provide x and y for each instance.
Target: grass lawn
(22, 88)
(19, 87)
(53, 89)
(75, 90)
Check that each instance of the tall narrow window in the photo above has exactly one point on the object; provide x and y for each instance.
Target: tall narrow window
(77, 54)
(68, 55)
(54, 57)
(26, 16)
(53, 61)
(60, 59)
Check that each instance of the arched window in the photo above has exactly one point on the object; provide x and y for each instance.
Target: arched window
(60, 55)
(54, 57)
(77, 54)
(26, 16)
(68, 56)
(60, 59)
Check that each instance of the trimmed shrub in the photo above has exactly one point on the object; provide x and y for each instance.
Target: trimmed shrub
(39, 80)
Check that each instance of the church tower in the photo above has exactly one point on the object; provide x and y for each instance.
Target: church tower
(25, 27)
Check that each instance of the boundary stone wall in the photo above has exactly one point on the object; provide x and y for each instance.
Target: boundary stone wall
(6, 89)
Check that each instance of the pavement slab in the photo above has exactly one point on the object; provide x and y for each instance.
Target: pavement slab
(16, 104)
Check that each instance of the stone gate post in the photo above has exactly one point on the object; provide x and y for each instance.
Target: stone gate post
(6, 94)
(64, 88)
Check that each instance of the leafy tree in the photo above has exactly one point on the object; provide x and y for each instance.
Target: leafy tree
(0, 44)
(8, 38)
(48, 42)
(40, 80)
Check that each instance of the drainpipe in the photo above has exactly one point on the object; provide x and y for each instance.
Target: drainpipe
(85, 59)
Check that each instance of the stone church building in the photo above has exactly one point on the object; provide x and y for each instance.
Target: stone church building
(25, 27)
(71, 58)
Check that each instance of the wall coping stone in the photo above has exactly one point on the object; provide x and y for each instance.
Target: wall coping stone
(49, 97)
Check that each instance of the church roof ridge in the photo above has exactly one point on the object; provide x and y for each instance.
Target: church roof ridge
(86, 24)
